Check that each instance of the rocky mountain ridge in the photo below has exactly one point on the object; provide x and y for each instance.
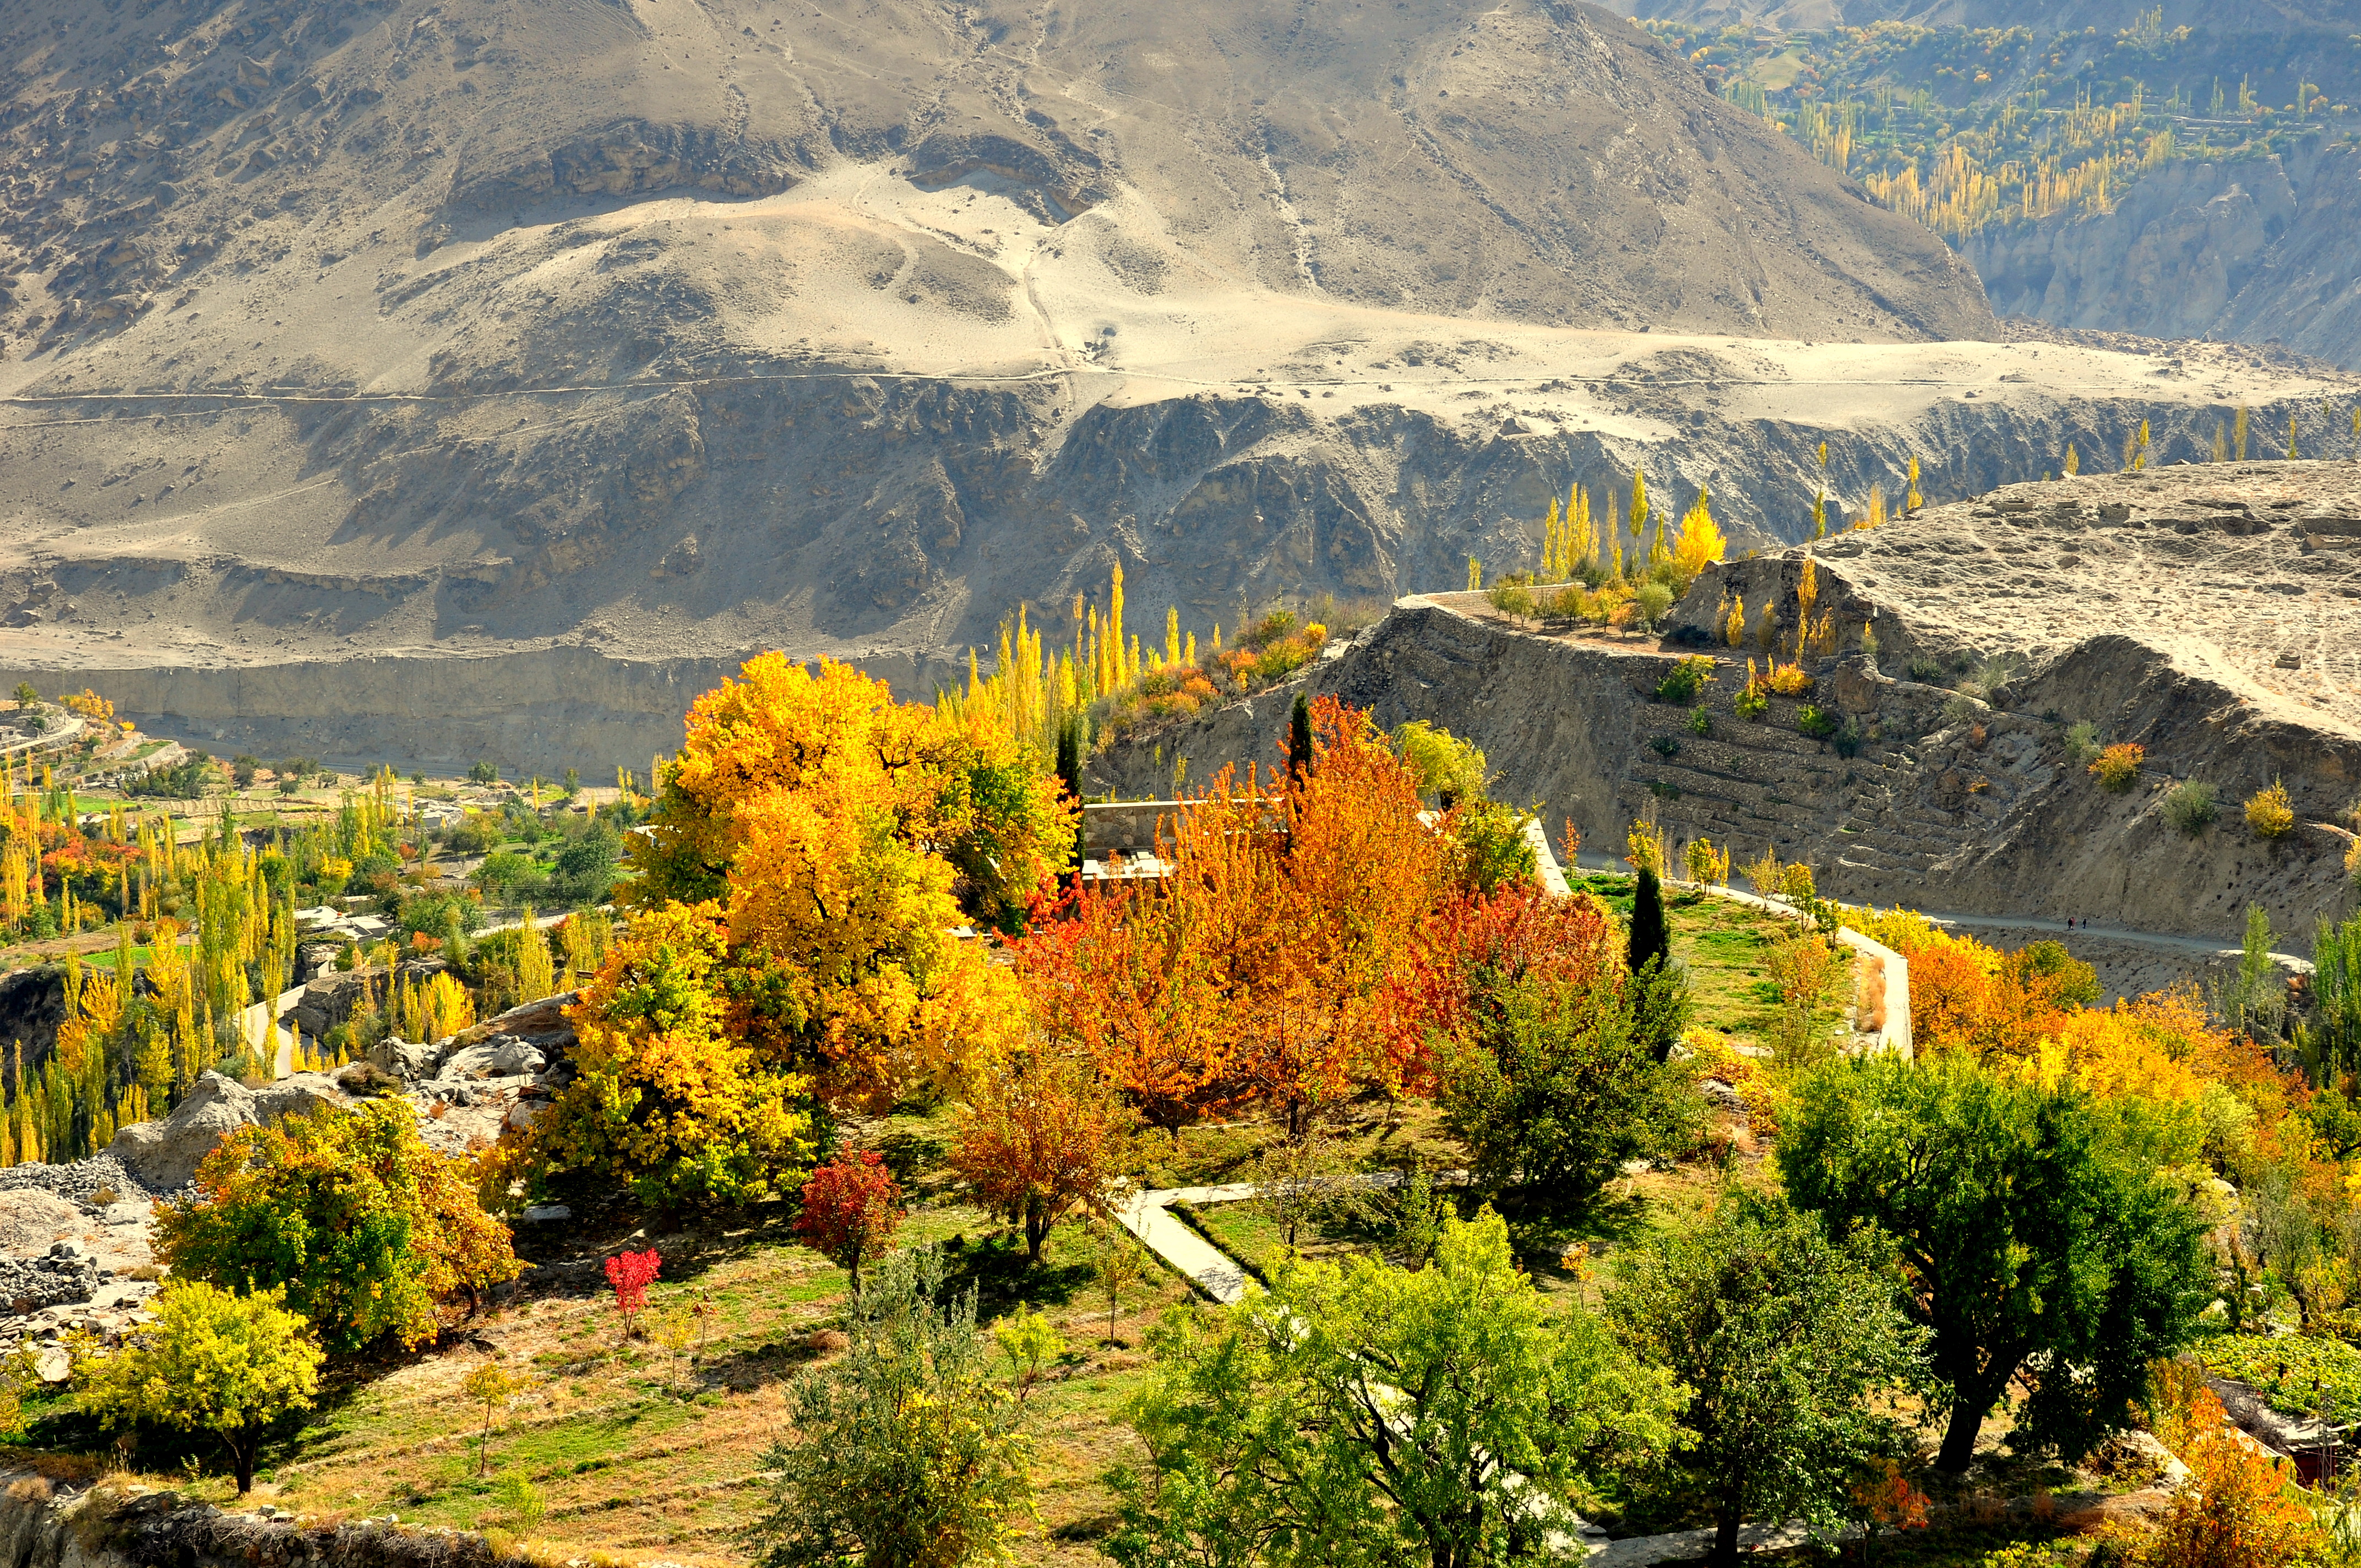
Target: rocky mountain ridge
(2161, 609)
(2258, 250)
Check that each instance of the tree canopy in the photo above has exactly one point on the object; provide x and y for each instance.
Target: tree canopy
(904, 1453)
(2041, 1241)
(365, 1227)
(1361, 1416)
(1783, 1341)
(213, 1361)
(840, 836)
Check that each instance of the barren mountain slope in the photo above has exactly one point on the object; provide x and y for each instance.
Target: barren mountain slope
(676, 330)
(2046, 15)
(2211, 613)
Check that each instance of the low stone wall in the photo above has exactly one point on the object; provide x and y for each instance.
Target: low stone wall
(53, 1524)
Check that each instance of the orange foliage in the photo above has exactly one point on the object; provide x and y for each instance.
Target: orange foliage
(1965, 996)
(1259, 970)
(2242, 1507)
(1040, 1138)
(1117, 975)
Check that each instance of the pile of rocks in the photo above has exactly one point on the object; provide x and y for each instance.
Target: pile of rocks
(94, 1183)
(67, 1272)
(164, 1156)
(70, 1262)
(494, 1075)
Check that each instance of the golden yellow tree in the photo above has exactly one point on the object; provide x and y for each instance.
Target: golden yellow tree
(666, 1096)
(841, 837)
(1699, 542)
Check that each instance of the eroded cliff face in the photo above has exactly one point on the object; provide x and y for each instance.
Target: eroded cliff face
(570, 624)
(1945, 803)
(2260, 250)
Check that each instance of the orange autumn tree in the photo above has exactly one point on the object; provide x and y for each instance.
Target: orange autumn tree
(1317, 886)
(1133, 984)
(1042, 1136)
(1449, 990)
(2242, 1505)
(1257, 971)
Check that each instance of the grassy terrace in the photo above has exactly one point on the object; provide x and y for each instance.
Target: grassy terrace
(643, 1454)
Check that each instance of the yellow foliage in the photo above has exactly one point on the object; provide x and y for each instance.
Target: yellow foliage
(1645, 841)
(2269, 814)
(1789, 680)
(2117, 768)
(668, 1097)
(846, 924)
(90, 705)
(1698, 544)
(1904, 931)
(1706, 863)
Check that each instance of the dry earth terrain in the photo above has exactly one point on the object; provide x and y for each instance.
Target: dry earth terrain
(434, 381)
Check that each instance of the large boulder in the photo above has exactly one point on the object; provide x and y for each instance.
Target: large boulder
(165, 1154)
(397, 1058)
(502, 1056)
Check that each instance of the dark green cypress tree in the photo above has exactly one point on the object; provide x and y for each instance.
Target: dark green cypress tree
(1652, 938)
(1299, 738)
(1070, 756)
(1070, 773)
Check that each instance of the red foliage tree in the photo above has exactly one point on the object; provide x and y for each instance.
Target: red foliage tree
(631, 1273)
(851, 1208)
(1473, 950)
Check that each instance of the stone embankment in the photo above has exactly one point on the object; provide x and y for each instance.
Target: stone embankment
(2211, 614)
(46, 1523)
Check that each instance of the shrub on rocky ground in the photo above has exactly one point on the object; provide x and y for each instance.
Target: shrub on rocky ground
(1685, 680)
(2117, 768)
(2190, 806)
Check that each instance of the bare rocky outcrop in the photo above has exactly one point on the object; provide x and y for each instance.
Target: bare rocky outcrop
(164, 1154)
(2164, 608)
(2260, 249)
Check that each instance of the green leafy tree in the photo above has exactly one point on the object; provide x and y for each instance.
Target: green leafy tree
(1562, 1085)
(213, 1361)
(1783, 1341)
(1368, 1415)
(1449, 770)
(25, 695)
(906, 1452)
(2039, 1237)
(483, 772)
(2335, 1034)
(1492, 849)
(365, 1227)
(584, 872)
